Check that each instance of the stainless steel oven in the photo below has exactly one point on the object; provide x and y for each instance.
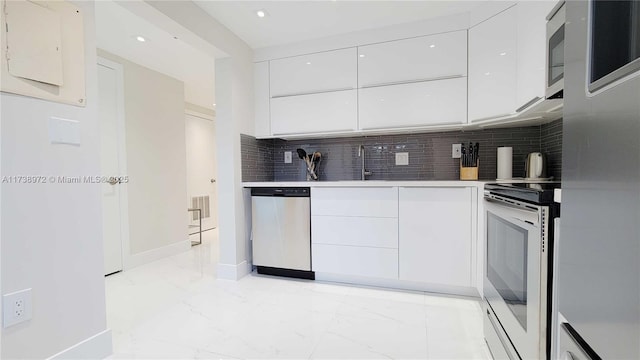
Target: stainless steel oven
(555, 52)
(516, 277)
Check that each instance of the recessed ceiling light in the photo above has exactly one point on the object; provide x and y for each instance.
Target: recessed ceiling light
(487, 73)
(261, 13)
(361, 55)
(308, 62)
(214, 104)
(140, 38)
(503, 53)
(432, 46)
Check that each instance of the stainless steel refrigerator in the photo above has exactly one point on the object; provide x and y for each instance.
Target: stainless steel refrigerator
(599, 246)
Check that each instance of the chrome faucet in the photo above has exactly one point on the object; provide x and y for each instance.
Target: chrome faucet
(364, 172)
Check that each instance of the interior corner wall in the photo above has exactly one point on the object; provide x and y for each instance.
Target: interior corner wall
(233, 92)
(234, 116)
(156, 157)
(51, 233)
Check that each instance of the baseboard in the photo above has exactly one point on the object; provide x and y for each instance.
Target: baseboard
(98, 346)
(146, 257)
(398, 284)
(233, 272)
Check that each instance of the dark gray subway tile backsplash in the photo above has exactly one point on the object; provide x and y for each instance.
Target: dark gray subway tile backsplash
(257, 159)
(429, 154)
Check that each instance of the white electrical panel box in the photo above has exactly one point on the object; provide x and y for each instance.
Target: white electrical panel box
(42, 53)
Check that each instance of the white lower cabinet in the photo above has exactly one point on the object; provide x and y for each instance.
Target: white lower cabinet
(363, 261)
(417, 238)
(354, 231)
(435, 236)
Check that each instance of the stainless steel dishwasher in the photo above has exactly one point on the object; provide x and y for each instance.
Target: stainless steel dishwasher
(281, 228)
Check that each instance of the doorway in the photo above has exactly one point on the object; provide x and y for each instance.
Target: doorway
(113, 164)
(201, 170)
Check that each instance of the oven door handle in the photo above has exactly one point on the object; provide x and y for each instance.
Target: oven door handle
(510, 211)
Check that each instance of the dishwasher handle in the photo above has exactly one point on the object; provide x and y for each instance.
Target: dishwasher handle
(280, 191)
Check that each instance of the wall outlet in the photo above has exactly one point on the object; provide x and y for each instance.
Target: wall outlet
(402, 158)
(287, 157)
(456, 151)
(16, 307)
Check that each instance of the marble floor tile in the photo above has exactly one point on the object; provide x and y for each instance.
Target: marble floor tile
(175, 308)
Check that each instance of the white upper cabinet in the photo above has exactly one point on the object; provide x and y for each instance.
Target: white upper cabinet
(493, 66)
(416, 59)
(532, 27)
(313, 73)
(261, 99)
(326, 112)
(413, 104)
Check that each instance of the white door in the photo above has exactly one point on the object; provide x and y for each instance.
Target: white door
(108, 114)
(201, 170)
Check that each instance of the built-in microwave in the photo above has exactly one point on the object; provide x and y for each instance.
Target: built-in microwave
(555, 52)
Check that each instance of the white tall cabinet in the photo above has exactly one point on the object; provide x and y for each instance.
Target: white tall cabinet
(507, 61)
(435, 236)
(493, 66)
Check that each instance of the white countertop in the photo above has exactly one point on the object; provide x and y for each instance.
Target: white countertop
(367, 183)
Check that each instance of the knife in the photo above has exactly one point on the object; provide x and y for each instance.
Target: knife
(464, 155)
(475, 161)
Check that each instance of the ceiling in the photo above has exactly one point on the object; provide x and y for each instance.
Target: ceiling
(294, 21)
(116, 31)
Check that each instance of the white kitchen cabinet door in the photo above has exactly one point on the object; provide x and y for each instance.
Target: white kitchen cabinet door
(435, 236)
(261, 99)
(325, 71)
(315, 113)
(355, 231)
(355, 260)
(421, 58)
(532, 51)
(351, 201)
(413, 104)
(493, 66)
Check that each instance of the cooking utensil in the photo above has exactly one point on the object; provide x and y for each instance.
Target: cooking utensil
(302, 154)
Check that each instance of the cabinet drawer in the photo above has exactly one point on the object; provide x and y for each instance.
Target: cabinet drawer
(413, 105)
(355, 231)
(325, 71)
(314, 113)
(365, 202)
(421, 58)
(354, 260)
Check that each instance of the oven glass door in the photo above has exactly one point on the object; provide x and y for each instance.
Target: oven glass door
(513, 274)
(507, 259)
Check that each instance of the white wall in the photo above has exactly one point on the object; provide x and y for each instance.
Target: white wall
(156, 159)
(234, 116)
(51, 233)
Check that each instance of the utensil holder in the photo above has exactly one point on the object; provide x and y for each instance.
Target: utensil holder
(470, 172)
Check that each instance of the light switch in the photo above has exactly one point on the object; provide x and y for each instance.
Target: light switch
(402, 158)
(64, 131)
(287, 157)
